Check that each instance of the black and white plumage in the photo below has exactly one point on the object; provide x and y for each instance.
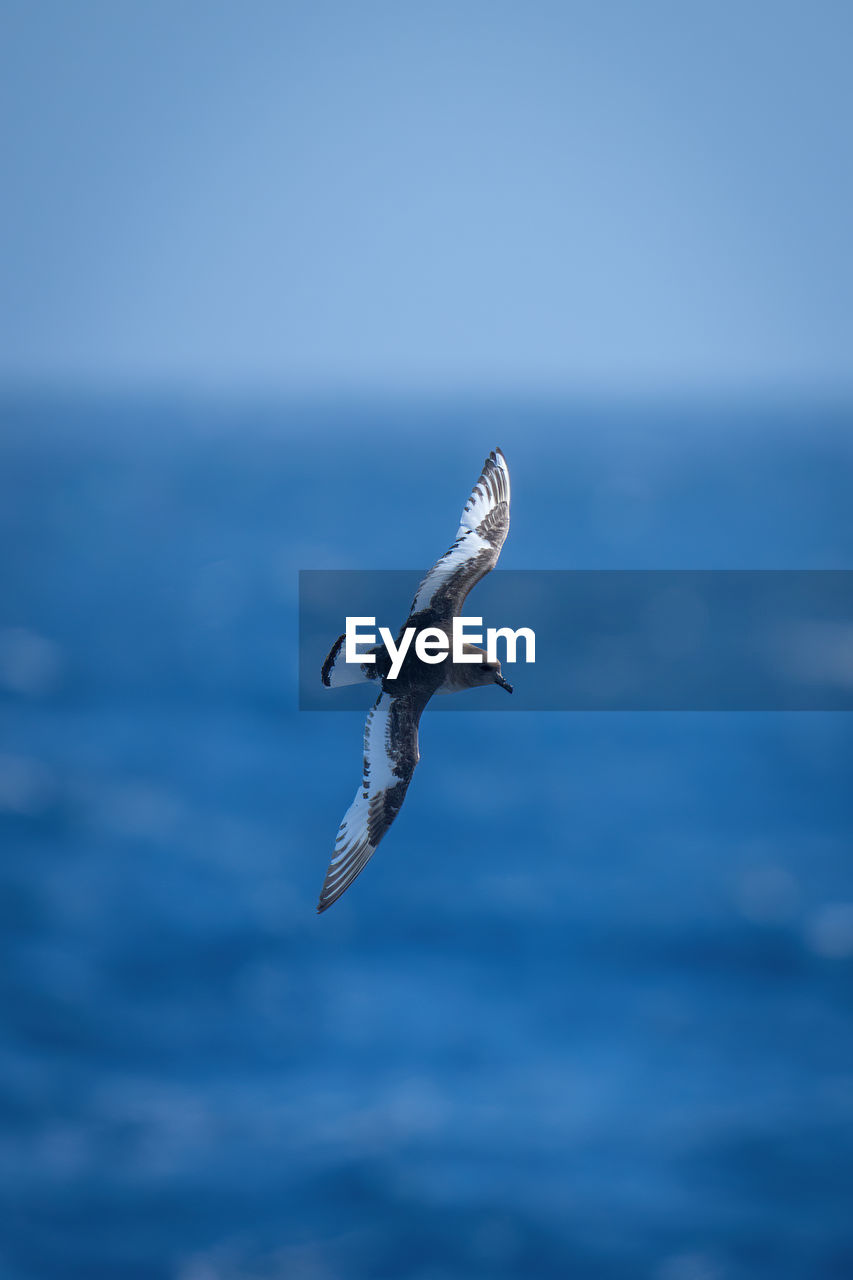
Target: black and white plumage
(481, 534)
(391, 732)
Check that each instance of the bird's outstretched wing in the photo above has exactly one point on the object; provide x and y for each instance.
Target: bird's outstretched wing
(390, 756)
(475, 550)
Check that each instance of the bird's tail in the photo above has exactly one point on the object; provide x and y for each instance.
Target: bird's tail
(338, 672)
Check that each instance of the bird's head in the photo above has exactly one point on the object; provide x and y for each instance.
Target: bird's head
(492, 671)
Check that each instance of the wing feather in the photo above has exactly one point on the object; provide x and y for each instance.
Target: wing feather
(390, 756)
(481, 534)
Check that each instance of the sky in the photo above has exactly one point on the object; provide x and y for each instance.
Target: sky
(546, 196)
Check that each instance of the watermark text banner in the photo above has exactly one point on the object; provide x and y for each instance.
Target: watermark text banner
(729, 640)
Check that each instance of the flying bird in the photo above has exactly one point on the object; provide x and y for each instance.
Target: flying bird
(391, 732)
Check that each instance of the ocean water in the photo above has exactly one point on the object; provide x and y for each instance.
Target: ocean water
(588, 1011)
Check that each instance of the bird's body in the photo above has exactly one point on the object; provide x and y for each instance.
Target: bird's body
(391, 731)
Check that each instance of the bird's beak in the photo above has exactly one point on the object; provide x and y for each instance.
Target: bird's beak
(503, 683)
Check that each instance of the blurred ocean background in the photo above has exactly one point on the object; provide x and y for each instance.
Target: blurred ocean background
(587, 1012)
(273, 280)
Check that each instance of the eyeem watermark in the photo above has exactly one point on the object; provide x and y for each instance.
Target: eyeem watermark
(432, 644)
(610, 640)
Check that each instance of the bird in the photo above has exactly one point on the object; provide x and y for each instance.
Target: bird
(391, 732)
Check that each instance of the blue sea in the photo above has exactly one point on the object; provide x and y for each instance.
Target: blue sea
(588, 1011)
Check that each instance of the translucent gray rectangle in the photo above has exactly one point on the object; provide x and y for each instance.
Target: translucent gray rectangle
(765, 640)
